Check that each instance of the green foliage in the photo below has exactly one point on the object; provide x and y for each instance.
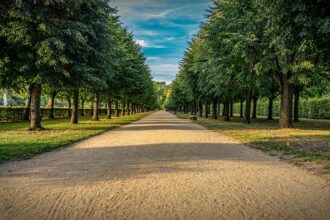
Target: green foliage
(69, 45)
(252, 48)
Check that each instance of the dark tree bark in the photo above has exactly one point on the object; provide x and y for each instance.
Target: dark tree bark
(27, 111)
(75, 110)
(195, 107)
(117, 108)
(270, 108)
(226, 111)
(254, 111)
(200, 109)
(51, 104)
(109, 108)
(241, 109)
(214, 109)
(133, 108)
(231, 109)
(69, 106)
(286, 105)
(206, 112)
(124, 108)
(297, 91)
(82, 113)
(35, 123)
(185, 109)
(92, 107)
(128, 108)
(247, 115)
(96, 106)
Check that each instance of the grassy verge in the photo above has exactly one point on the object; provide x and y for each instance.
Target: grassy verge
(308, 141)
(16, 143)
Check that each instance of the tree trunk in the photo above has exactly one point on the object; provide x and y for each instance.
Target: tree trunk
(117, 108)
(124, 108)
(206, 112)
(296, 104)
(200, 109)
(75, 110)
(247, 114)
(109, 110)
(286, 105)
(69, 106)
(214, 109)
(128, 108)
(241, 109)
(35, 108)
(218, 108)
(27, 111)
(270, 108)
(51, 104)
(82, 113)
(195, 107)
(254, 112)
(226, 111)
(96, 106)
(231, 109)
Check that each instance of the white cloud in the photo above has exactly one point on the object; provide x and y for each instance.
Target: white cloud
(142, 43)
(146, 33)
(146, 44)
(170, 38)
(164, 72)
(171, 69)
(162, 14)
(153, 58)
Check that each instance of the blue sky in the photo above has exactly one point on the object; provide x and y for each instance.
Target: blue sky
(162, 28)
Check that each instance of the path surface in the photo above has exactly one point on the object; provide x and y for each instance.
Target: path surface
(160, 168)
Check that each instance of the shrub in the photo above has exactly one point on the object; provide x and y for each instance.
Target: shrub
(315, 108)
(16, 114)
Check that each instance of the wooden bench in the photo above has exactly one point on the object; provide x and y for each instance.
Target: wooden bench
(193, 117)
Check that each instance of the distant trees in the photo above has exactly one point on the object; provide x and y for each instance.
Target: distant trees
(249, 49)
(71, 45)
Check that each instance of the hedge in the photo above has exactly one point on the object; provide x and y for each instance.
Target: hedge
(16, 114)
(315, 108)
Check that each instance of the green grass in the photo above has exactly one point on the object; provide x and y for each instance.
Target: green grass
(17, 143)
(308, 141)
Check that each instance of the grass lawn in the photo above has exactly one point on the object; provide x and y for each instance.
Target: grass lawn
(308, 141)
(17, 143)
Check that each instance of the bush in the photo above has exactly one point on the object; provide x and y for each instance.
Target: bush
(315, 108)
(16, 114)
(11, 114)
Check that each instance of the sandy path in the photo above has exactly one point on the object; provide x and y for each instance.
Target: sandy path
(160, 168)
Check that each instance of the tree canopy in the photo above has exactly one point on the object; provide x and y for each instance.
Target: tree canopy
(72, 46)
(247, 49)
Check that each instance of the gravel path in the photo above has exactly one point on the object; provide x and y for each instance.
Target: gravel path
(160, 167)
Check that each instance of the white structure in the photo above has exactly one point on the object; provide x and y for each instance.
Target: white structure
(5, 100)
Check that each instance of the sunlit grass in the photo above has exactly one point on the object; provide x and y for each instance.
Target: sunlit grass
(307, 141)
(17, 143)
